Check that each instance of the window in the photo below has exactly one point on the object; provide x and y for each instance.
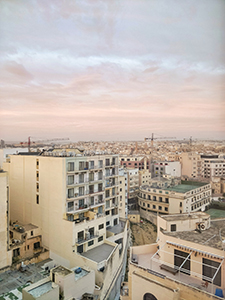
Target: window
(180, 204)
(37, 187)
(70, 206)
(100, 238)
(37, 176)
(70, 193)
(167, 200)
(160, 207)
(91, 176)
(37, 199)
(71, 166)
(173, 227)
(90, 243)
(101, 226)
(37, 163)
(81, 191)
(31, 233)
(70, 179)
(107, 223)
(107, 212)
(81, 178)
(166, 208)
(154, 207)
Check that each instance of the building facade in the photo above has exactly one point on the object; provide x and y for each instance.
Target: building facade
(165, 197)
(74, 200)
(172, 168)
(5, 253)
(187, 262)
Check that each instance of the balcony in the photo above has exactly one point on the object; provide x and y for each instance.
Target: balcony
(96, 204)
(87, 238)
(147, 259)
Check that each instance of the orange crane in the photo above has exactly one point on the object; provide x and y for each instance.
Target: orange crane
(152, 138)
(40, 141)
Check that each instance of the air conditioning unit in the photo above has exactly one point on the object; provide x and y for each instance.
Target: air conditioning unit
(201, 226)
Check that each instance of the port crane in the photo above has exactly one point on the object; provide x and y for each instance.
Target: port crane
(42, 141)
(152, 138)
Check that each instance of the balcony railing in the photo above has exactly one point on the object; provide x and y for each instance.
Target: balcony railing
(87, 238)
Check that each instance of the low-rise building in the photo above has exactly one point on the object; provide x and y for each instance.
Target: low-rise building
(187, 262)
(165, 197)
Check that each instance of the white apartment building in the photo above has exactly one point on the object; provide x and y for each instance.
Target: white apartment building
(73, 199)
(172, 168)
(212, 166)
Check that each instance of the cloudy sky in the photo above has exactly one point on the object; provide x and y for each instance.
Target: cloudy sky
(112, 69)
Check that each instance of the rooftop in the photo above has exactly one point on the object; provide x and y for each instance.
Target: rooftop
(152, 265)
(183, 217)
(41, 289)
(99, 253)
(61, 270)
(11, 280)
(117, 228)
(186, 186)
(79, 275)
(209, 237)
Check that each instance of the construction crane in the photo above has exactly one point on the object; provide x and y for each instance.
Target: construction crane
(41, 141)
(152, 138)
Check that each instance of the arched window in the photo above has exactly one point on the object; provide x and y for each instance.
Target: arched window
(149, 296)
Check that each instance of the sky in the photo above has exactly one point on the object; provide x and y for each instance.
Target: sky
(112, 69)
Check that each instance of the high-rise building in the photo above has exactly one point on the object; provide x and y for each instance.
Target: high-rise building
(73, 199)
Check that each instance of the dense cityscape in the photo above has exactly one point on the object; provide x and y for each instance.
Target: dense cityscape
(73, 216)
(112, 150)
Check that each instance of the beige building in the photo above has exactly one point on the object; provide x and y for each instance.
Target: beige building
(123, 205)
(164, 196)
(73, 199)
(26, 243)
(63, 283)
(5, 253)
(187, 262)
(144, 177)
(191, 164)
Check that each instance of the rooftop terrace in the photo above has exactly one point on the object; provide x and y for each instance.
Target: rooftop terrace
(117, 228)
(186, 186)
(185, 216)
(11, 280)
(41, 289)
(210, 237)
(99, 253)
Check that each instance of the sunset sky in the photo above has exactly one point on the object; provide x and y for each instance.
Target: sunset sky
(112, 69)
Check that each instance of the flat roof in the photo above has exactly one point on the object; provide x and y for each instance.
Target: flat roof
(11, 280)
(41, 289)
(81, 274)
(182, 217)
(209, 237)
(117, 228)
(99, 253)
(186, 187)
(61, 270)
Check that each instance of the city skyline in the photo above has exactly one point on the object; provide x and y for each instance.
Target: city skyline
(112, 70)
